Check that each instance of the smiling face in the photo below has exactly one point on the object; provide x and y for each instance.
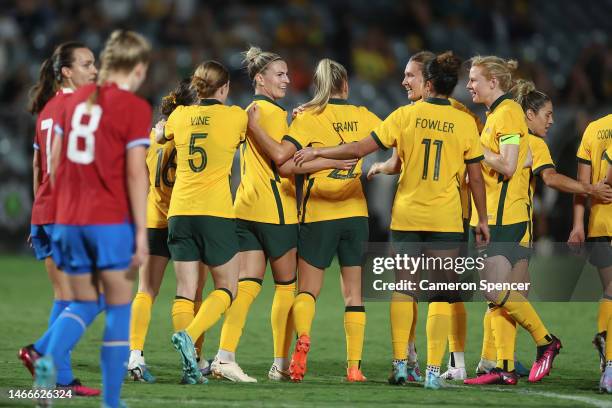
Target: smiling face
(273, 81)
(539, 122)
(479, 86)
(413, 80)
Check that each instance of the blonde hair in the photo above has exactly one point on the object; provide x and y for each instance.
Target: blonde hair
(257, 61)
(208, 77)
(526, 94)
(122, 52)
(497, 67)
(329, 78)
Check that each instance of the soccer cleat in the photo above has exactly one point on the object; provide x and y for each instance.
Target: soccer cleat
(485, 367)
(184, 345)
(297, 367)
(79, 389)
(454, 373)
(44, 378)
(433, 382)
(354, 374)
(141, 373)
(204, 366)
(230, 371)
(399, 372)
(600, 345)
(495, 376)
(276, 374)
(28, 357)
(414, 372)
(545, 357)
(605, 384)
(520, 369)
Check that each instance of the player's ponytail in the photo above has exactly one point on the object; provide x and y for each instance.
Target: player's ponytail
(208, 77)
(443, 72)
(496, 67)
(50, 77)
(182, 95)
(329, 78)
(257, 61)
(526, 94)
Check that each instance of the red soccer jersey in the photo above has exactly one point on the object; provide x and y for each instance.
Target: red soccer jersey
(91, 178)
(43, 210)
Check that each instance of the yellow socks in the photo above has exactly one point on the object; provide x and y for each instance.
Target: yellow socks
(609, 340)
(248, 289)
(458, 328)
(604, 314)
(489, 352)
(182, 313)
(402, 316)
(521, 311)
(354, 329)
(504, 330)
(303, 312)
(211, 310)
(139, 323)
(284, 295)
(200, 341)
(438, 327)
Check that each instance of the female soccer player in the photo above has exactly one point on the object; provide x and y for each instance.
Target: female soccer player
(592, 167)
(506, 149)
(334, 211)
(70, 67)
(161, 163)
(421, 185)
(100, 152)
(201, 223)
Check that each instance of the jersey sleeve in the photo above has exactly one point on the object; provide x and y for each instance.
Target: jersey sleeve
(171, 124)
(371, 119)
(389, 130)
(473, 152)
(301, 131)
(541, 155)
(139, 126)
(608, 154)
(242, 124)
(584, 150)
(509, 126)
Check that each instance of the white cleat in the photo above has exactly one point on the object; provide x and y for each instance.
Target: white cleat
(454, 374)
(276, 374)
(230, 371)
(485, 366)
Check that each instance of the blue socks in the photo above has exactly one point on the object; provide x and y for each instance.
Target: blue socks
(115, 352)
(56, 309)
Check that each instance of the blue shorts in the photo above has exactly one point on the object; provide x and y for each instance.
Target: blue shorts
(79, 249)
(41, 240)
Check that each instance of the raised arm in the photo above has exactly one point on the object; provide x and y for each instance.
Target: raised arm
(289, 167)
(279, 153)
(355, 150)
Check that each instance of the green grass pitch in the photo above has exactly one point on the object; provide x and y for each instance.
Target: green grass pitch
(25, 298)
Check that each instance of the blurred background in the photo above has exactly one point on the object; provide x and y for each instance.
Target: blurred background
(565, 46)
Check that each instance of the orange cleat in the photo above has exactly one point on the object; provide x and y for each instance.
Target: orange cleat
(354, 374)
(297, 368)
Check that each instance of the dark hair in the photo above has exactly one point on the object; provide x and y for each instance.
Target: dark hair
(182, 95)
(526, 94)
(208, 77)
(50, 76)
(443, 72)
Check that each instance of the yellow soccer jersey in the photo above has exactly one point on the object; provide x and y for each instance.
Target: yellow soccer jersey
(507, 199)
(161, 162)
(206, 137)
(261, 189)
(596, 139)
(465, 191)
(434, 142)
(333, 194)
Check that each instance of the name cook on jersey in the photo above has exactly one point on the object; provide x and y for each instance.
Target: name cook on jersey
(426, 285)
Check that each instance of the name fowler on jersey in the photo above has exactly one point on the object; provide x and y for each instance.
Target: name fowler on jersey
(435, 124)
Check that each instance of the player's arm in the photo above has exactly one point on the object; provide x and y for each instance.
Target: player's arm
(506, 161)
(160, 132)
(36, 170)
(577, 233)
(137, 186)
(354, 150)
(56, 153)
(558, 181)
(279, 153)
(479, 196)
(608, 157)
(393, 165)
(321, 163)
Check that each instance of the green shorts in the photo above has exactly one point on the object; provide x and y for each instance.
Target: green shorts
(319, 241)
(158, 242)
(601, 251)
(505, 241)
(274, 239)
(209, 239)
(434, 240)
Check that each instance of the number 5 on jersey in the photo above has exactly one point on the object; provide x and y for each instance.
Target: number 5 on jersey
(197, 164)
